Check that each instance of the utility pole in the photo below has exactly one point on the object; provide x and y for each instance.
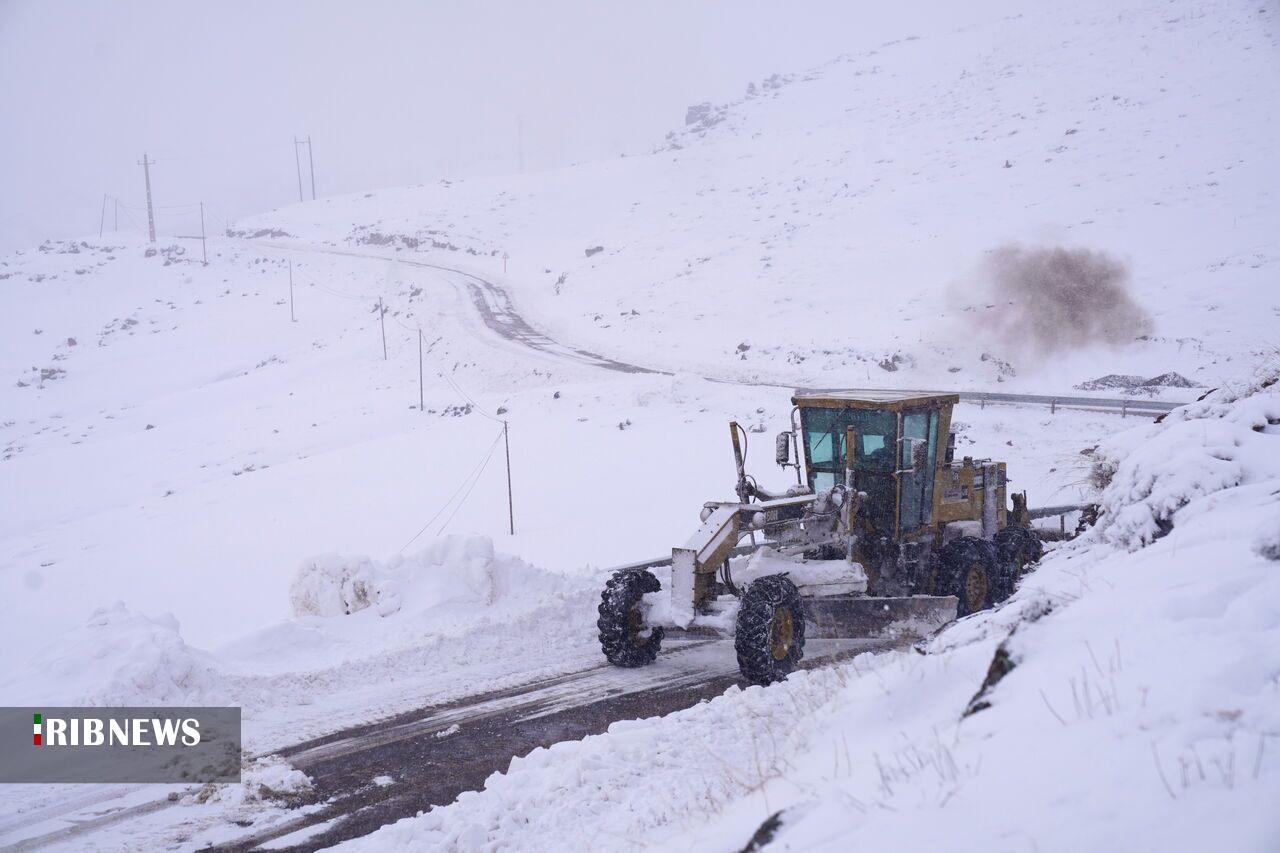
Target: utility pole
(298, 165)
(292, 319)
(102, 219)
(511, 513)
(204, 252)
(382, 315)
(146, 165)
(422, 405)
(311, 165)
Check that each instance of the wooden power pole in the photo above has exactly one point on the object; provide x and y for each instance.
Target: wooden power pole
(311, 167)
(146, 165)
(204, 252)
(511, 513)
(382, 314)
(297, 163)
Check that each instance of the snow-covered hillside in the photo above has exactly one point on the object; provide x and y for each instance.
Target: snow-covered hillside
(240, 483)
(178, 446)
(832, 227)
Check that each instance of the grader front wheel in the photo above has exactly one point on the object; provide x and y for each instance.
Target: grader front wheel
(769, 635)
(624, 638)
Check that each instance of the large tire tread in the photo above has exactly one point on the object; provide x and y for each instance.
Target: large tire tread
(621, 644)
(960, 558)
(754, 632)
(1017, 549)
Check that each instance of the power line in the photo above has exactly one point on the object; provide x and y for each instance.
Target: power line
(483, 465)
(456, 387)
(475, 473)
(297, 271)
(313, 283)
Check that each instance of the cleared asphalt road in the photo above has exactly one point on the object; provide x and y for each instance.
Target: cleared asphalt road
(431, 762)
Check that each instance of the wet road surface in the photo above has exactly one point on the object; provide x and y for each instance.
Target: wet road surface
(431, 763)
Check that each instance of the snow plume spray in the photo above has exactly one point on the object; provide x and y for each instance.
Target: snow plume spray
(1046, 300)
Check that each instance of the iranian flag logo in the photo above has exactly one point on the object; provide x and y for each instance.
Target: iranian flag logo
(37, 727)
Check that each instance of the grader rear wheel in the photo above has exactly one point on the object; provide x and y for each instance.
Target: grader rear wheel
(1017, 548)
(769, 635)
(967, 569)
(977, 586)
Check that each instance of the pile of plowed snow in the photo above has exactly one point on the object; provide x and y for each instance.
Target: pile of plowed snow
(1127, 696)
(350, 613)
(118, 657)
(453, 570)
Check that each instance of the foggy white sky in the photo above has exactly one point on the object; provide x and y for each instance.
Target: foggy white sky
(392, 92)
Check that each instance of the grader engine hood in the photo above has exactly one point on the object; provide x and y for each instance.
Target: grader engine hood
(694, 565)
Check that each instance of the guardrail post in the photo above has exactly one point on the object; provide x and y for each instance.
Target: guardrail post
(983, 402)
(1124, 409)
(1053, 406)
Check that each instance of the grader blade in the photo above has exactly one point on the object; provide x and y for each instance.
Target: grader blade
(860, 616)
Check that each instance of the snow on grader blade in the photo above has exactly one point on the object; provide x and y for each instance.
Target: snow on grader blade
(884, 534)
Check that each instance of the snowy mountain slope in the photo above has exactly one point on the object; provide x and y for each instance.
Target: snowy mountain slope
(170, 439)
(840, 217)
(271, 442)
(1122, 699)
(181, 409)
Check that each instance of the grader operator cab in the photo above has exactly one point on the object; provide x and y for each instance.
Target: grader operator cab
(883, 533)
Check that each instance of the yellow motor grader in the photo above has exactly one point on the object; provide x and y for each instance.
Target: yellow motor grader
(884, 532)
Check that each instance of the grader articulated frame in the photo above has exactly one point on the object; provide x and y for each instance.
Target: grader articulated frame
(883, 533)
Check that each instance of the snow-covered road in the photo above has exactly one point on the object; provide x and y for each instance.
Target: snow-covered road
(495, 307)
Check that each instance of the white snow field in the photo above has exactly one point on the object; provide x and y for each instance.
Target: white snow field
(208, 503)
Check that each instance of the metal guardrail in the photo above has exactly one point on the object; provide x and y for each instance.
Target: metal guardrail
(1124, 405)
(1050, 511)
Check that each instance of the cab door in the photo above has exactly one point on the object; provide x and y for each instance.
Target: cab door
(916, 505)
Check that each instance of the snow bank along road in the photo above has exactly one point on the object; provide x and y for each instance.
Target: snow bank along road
(495, 307)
